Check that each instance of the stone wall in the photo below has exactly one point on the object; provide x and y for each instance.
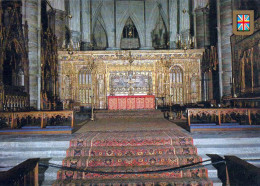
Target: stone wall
(115, 13)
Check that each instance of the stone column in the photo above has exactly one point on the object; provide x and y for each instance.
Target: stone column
(149, 23)
(173, 23)
(33, 12)
(225, 31)
(202, 27)
(75, 26)
(86, 24)
(110, 28)
(60, 20)
(184, 18)
(1, 60)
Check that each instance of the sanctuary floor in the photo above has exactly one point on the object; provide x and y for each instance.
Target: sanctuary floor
(127, 124)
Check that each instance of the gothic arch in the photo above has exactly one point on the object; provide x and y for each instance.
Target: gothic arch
(14, 62)
(121, 25)
(159, 34)
(100, 40)
(152, 19)
(130, 36)
(97, 14)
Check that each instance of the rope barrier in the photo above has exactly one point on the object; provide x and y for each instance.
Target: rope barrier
(184, 167)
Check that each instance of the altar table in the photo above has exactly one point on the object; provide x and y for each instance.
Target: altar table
(131, 102)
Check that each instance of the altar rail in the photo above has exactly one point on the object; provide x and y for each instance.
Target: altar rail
(220, 115)
(13, 117)
(25, 173)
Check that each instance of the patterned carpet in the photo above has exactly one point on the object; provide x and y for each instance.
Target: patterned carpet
(132, 151)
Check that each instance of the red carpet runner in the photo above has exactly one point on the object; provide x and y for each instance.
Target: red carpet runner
(132, 151)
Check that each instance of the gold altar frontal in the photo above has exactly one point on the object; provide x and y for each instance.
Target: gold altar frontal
(172, 76)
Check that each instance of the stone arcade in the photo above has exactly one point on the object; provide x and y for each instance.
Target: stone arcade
(129, 92)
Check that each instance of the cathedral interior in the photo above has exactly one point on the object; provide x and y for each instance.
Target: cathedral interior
(129, 92)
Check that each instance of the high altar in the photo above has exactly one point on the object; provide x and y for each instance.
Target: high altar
(137, 79)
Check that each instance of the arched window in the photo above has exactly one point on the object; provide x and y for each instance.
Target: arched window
(85, 86)
(177, 87)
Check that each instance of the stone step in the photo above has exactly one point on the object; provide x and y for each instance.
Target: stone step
(229, 149)
(33, 152)
(254, 162)
(216, 181)
(212, 171)
(225, 141)
(11, 162)
(47, 176)
(35, 144)
(131, 151)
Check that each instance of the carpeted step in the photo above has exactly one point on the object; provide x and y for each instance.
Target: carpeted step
(108, 114)
(172, 160)
(120, 182)
(113, 139)
(131, 151)
(189, 173)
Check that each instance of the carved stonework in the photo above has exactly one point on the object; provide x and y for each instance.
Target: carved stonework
(246, 64)
(128, 73)
(14, 64)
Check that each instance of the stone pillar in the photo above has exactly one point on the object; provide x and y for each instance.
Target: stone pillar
(149, 22)
(33, 12)
(173, 23)
(60, 20)
(184, 18)
(86, 24)
(75, 26)
(225, 31)
(1, 60)
(202, 27)
(110, 28)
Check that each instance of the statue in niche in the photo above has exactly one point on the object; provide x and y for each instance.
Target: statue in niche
(194, 88)
(130, 38)
(67, 91)
(20, 77)
(159, 34)
(101, 85)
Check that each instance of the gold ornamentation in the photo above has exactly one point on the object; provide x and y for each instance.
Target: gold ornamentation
(106, 63)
